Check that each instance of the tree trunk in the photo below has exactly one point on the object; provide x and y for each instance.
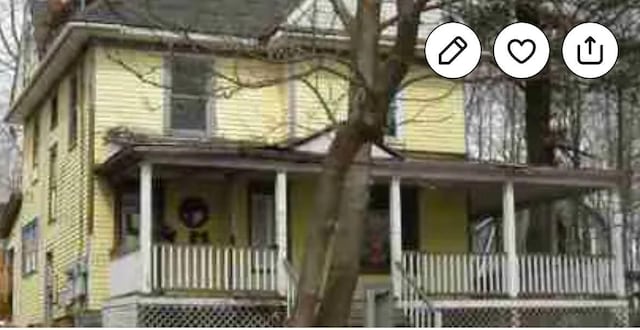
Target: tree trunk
(344, 269)
(541, 231)
(323, 225)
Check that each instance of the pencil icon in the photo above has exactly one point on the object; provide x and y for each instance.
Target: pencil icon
(452, 51)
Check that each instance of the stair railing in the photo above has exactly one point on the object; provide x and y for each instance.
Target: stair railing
(415, 303)
(292, 286)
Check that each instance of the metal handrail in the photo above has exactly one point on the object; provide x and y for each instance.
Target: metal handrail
(291, 272)
(424, 297)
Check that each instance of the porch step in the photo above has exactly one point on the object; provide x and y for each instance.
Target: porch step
(358, 316)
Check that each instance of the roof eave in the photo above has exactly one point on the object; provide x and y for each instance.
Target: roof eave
(74, 36)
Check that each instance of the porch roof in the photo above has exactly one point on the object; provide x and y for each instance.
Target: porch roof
(481, 181)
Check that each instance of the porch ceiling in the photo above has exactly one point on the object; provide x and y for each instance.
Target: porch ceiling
(482, 182)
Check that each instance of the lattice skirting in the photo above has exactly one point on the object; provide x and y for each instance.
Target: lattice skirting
(536, 317)
(228, 316)
(175, 312)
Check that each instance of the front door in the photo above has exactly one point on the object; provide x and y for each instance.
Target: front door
(262, 233)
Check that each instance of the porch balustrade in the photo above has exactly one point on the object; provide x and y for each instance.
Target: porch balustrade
(486, 274)
(205, 267)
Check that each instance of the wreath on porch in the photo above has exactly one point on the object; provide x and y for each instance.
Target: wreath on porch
(194, 212)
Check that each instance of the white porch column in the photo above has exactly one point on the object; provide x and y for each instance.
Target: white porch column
(281, 229)
(146, 224)
(395, 230)
(509, 239)
(617, 249)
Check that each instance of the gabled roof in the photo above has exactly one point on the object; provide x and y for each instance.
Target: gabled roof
(319, 142)
(240, 18)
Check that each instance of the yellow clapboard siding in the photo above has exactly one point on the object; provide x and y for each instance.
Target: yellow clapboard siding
(254, 114)
(443, 221)
(432, 115)
(65, 237)
(122, 97)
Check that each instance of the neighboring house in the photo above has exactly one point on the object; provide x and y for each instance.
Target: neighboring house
(149, 200)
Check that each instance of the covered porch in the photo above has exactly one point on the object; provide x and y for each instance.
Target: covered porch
(257, 256)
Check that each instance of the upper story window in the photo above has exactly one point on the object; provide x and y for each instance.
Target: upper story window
(73, 110)
(394, 116)
(30, 247)
(35, 141)
(53, 119)
(53, 183)
(189, 94)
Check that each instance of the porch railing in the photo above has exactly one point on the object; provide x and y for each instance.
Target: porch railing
(292, 286)
(457, 273)
(566, 275)
(415, 303)
(205, 267)
(485, 274)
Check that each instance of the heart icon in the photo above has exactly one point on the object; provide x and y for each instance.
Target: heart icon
(521, 50)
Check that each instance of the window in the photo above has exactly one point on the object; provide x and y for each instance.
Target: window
(263, 220)
(189, 95)
(53, 121)
(73, 111)
(30, 248)
(393, 117)
(35, 142)
(129, 225)
(53, 183)
(375, 255)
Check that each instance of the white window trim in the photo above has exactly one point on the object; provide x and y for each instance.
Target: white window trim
(210, 124)
(399, 118)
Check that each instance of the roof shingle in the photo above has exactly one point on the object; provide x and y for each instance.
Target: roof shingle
(240, 18)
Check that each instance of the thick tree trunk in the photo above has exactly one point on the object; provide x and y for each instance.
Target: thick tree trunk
(331, 261)
(344, 269)
(541, 231)
(323, 225)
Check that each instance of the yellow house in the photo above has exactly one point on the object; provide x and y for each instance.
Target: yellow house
(157, 193)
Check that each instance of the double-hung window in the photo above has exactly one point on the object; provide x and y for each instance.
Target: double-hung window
(53, 183)
(394, 117)
(30, 248)
(189, 94)
(73, 110)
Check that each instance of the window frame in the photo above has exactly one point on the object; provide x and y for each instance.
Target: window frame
(54, 111)
(29, 252)
(167, 78)
(72, 129)
(398, 117)
(52, 192)
(35, 142)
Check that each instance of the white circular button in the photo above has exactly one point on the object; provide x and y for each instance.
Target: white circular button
(453, 50)
(590, 50)
(521, 50)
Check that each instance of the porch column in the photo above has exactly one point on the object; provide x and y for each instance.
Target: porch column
(509, 239)
(281, 229)
(395, 230)
(146, 224)
(617, 249)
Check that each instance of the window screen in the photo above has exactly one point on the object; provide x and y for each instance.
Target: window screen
(190, 82)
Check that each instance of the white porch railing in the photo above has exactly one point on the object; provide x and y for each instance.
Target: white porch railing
(566, 275)
(204, 267)
(292, 286)
(415, 304)
(457, 273)
(486, 275)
